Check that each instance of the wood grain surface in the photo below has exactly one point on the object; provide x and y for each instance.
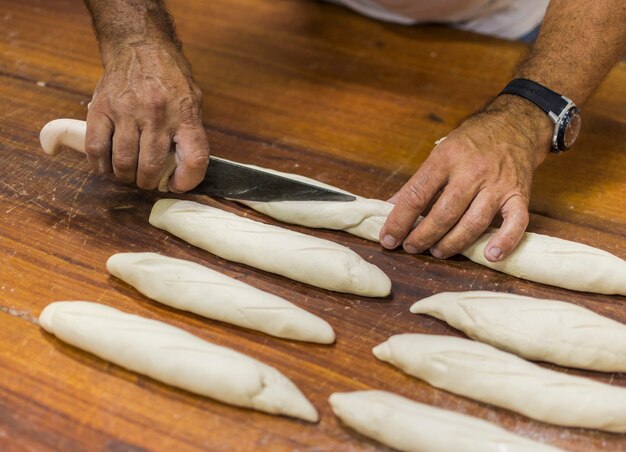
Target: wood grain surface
(294, 85)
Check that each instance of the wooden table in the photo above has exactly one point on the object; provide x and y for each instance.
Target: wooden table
(294, 85)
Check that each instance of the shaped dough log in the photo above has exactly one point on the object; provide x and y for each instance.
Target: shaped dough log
(486, 374)
(362, 217)
(558, 262)
(175, 357)
(538, 258)
(191, 287)
(288, 253)
(544, 330)
(411, 426)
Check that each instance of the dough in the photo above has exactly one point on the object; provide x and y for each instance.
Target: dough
(288, 253)
(543, 330)
(411, 426)
(539, 258)
(191, 287)
(486, 374)
(362, 217)
(175, 357)
(558, 262)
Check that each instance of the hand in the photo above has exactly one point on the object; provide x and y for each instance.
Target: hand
(484, 167)
(146, 102)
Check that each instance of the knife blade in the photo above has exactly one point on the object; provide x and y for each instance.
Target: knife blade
(228, 179)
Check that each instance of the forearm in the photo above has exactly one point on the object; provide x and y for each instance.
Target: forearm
(579, 43)
(126, 23)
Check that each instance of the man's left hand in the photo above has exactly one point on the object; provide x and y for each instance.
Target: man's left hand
(482, 168)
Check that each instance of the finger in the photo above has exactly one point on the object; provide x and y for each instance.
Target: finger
(192, 151)
(446, 212)
(469, 228)
(98, 141)
(515, 220)
(410, 203)
(154, 147)
(125, 151)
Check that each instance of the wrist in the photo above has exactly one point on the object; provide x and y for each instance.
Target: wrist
(120, 25)
(525, 119)
(110, 49)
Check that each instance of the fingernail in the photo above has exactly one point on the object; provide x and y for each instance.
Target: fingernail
(436, 253)
(410, 249)
(389, 241)
(495, 252)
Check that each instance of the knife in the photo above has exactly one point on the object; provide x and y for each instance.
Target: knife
(228, 179)
(223, 179)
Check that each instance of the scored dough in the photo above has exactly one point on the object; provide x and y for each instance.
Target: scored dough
(362, 217)
(539, 258)
(301, 257)
(175, 357)
(192, 287)
(484, 373)
(558, 262)
(544, 330)
(411, 426)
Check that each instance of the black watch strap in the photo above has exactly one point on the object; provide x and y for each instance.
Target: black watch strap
(546, 99)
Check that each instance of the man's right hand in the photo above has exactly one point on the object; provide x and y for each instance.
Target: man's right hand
(147, 104)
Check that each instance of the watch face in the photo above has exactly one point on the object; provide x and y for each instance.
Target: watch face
(571, 127)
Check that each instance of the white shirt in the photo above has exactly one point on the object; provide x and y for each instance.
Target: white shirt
(509, 19)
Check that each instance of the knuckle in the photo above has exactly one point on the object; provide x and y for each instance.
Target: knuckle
(95, 148)
(151, 168)
(156, 103)
(395, 226)
(197, 161)
(415, 196)
(189, 107)
(416, 242)
(477, 222)
(445, 215)
(124, 163)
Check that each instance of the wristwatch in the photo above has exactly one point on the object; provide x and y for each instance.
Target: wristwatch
(562, 111)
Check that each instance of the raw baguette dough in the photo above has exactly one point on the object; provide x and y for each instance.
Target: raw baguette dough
(544, 330)
(362, 217)
(539, 258)
(558, 262)
(411, 426)
(489, 375)
(288, 253)
(192, 287)
(175, 357)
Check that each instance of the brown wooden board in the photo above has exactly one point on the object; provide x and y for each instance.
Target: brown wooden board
(296, 86)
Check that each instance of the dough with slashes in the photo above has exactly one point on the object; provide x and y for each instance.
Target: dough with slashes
(539, 258)
(362, 217)
(484, 373)
(297, 256)
(542, 330)
(175, 357)
(411, 426)
(192, 287)
(557, 262)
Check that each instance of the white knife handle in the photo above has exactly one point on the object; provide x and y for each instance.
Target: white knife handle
(71, 133)
(63, 132)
